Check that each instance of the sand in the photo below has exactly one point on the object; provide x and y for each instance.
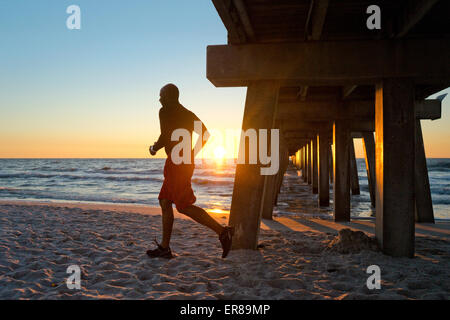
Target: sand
(39, 241)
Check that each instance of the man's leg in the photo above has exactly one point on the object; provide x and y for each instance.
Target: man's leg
(167, 221)
(202, 217)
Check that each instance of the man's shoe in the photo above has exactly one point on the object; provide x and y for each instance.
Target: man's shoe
(226, 238)
(160, 252)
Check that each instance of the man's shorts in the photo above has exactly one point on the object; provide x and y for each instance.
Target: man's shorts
(177, 184)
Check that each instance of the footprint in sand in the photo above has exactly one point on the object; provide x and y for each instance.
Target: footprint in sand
(144, 275)
(18, 274)
(185, 288)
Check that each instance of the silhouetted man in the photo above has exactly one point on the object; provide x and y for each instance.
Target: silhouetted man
(177, 178)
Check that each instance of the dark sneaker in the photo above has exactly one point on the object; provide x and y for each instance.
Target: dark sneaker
(160, 252)
(226, 238)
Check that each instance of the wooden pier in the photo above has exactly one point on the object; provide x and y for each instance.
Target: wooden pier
(315, 71)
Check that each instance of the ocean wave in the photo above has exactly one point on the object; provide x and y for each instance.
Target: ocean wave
(126, 171)
(50, 169)
(26, 175)
(8, 189)
(441, 201)
(66, 170)
(41, 195)
(438, 164)
(44, 168)
(440, 190)
(78, 177)
(200, 181)
(111, 178)
(213, 173)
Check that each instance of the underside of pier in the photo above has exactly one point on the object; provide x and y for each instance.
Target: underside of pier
(315, 71)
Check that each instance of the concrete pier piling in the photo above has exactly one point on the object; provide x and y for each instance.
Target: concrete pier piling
(272, 183)
(309, 162)
(330, 163)
(284, 163)
(424, 205)
(341, 170)
(314, 167)
(305, 163)
(323, 166)
(245, 215)
(395, 164)
(369, 156)
(354, 179)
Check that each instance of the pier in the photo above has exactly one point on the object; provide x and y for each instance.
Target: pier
(315, 71)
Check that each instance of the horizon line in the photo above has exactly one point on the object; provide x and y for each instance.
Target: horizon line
(136, 158)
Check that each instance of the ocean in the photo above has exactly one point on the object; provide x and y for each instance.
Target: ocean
(138, 181)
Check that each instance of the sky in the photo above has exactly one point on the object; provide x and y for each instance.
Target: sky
(93, 92)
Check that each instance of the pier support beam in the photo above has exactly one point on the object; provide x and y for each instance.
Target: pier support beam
(273, 183)
(245, 215)
(395, 128)
(341, 168)
(305, 164)
(369, 155)
(330, 162)
(424, 205)
(314, 167)
(300, 159)
(309, 162)
(354, 179)
(269, 195)
(283, 167)
(324, 174)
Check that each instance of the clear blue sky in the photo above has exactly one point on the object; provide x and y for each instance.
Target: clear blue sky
(94, 92)
(61, 87)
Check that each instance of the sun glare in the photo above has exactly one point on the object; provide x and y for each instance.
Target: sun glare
(219, 211)
(219, 152)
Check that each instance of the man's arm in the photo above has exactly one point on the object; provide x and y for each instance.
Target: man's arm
(163, 137)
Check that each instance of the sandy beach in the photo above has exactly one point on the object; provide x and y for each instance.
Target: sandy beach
(39, 241)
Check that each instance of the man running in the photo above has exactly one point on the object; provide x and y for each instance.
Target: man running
(177, 178)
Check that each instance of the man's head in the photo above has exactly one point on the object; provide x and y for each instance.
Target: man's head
(169, 94)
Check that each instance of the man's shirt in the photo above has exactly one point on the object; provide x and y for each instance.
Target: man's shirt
(172, 118)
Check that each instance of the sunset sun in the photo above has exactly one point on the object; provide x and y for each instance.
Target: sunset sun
(219, 153)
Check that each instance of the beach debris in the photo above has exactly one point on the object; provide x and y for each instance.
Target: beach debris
(349, 241)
